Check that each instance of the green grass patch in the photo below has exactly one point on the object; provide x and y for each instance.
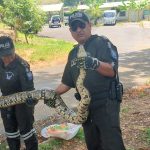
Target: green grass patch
(3, 26)
(80, 134)
(51, 144)
(125, 109)
(130, 149)
(147, 135)
(42, 49)
(142, 94)
(4, 146)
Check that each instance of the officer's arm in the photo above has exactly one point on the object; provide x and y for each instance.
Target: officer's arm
(62, 88)
(106, 69)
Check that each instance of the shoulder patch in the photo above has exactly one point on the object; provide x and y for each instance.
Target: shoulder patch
(26, 66)
(113, 51)
(29, 75)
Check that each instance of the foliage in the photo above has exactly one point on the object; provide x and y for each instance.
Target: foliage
(133, 5)
(71, 2)
(1, 2)
(49, 1)
(23, 16)
(94, 11)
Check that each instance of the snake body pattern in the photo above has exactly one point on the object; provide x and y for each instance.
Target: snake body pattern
(54, 100)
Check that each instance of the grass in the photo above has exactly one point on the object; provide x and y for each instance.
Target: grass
(125, 109)
(51, 145)
(147, 135)
(80, 135)
(3, 146)
(42, 49)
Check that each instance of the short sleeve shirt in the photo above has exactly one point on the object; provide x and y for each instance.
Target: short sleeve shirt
(98, 47)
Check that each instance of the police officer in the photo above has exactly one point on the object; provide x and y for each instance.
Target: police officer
(102, 128)
(15, 76)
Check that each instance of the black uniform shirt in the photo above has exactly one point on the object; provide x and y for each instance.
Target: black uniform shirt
(16, 77)
(105, 51)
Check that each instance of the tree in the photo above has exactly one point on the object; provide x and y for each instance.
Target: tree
(1, 2)
(141, 5)
(71, 2)
(23, 16)
(94, 10)
(134, 6)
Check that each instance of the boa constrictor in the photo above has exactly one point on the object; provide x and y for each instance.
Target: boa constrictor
(54, 100)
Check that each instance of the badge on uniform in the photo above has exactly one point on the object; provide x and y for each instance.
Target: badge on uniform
(29, 75)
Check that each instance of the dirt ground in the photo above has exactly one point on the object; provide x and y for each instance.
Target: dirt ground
(135, 118)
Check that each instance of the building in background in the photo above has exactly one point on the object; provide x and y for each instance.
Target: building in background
(53, 9)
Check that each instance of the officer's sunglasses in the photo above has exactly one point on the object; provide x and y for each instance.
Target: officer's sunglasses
(77, 25)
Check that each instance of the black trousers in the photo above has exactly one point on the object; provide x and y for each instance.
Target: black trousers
(18, 121)
(102, 128)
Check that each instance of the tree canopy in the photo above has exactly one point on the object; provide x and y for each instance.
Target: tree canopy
(23, 16)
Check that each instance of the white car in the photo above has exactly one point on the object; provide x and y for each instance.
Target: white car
(109, 17)
(55, 21)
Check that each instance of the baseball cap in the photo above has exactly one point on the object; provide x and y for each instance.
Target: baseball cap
(78, 15)
(6, 46)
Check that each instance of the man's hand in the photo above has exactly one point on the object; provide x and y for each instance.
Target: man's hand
(88, 63)
(50, 101)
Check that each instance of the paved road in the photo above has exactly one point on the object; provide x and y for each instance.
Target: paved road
(133, 44)
(127, 37)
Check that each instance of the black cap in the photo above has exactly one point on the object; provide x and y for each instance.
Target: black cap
(6, 46)
(78, 15)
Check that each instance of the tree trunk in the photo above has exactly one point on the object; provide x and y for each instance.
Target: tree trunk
(26, 37)
(16, 34)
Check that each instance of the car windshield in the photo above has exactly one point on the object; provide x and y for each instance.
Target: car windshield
(56, 18)
(109, 14)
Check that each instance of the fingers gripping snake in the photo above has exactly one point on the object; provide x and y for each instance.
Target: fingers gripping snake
(54, 100)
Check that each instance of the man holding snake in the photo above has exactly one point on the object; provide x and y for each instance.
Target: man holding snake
(102, 128)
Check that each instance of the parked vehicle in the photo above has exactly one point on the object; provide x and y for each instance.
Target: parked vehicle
(109, 17)
(55, 21)
(66, 21)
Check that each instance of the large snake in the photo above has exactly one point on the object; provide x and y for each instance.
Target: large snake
(54, 100)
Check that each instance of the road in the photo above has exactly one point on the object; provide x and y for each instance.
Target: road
(133, 43)
(127, 37)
